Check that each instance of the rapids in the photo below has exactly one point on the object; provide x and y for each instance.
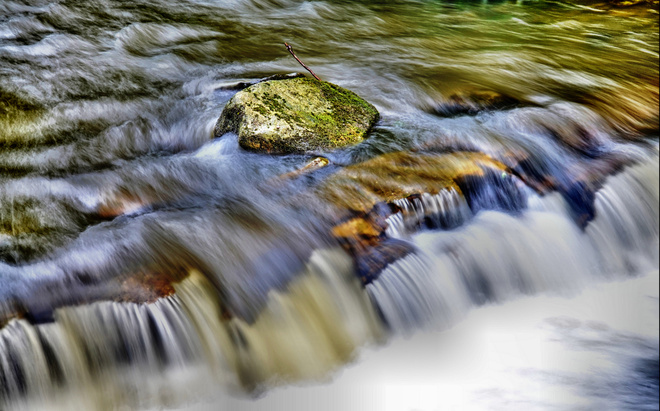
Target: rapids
(145, 264)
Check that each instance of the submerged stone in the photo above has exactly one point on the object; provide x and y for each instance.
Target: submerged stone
(315, 164)
(395, 176)
(472, 102)
(296, 115)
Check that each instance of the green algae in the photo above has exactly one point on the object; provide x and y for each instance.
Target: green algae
(296, 115)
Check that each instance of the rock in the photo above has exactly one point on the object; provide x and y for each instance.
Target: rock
(395, 176)
(145, 287)
(472, 102)
(32, 227)
(373, 261)
(142, 285)
(369, 193)
(236, 86)
(315, 164)
(359, 227)
(364, 238)
(295, 116)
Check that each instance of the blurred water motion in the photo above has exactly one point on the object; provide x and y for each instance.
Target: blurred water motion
(143, 264)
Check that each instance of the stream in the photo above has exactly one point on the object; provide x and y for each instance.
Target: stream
(147, 264)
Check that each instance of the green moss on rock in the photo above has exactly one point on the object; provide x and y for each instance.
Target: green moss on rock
(296, 115)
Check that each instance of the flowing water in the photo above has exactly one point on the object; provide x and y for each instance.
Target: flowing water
(145, 263)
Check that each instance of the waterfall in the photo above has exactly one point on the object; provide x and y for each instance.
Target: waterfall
(495, 255)
(304, 332)
(147, 262)
(445, 209)
(317, 322)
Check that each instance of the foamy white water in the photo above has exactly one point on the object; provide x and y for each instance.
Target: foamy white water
(596, 350)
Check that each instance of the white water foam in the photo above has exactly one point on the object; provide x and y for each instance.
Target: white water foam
(496, 256)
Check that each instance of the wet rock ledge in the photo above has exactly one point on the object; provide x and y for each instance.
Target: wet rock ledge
(295, 116)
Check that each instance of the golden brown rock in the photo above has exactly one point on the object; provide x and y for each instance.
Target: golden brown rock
(399, 175)
(366, 194)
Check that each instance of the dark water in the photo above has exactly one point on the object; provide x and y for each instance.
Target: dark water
(109, 172)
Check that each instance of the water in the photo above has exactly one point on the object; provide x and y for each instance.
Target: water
(145, 264)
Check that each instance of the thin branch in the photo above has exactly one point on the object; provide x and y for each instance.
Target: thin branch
(288, 47)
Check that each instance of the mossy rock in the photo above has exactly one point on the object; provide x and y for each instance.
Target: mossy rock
(296, 116)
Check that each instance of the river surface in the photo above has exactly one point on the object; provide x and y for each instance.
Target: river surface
(146, 263)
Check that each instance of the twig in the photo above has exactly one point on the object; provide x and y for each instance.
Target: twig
(288, 47)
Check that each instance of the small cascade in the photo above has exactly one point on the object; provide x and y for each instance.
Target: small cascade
(447, 209)
(305, 331)
(23, 361)
(499, 256)
(413, 292)
(625, 232)
(493, 191)
(146, 264)
(496, 255)
(88, 342)
(313, 327)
